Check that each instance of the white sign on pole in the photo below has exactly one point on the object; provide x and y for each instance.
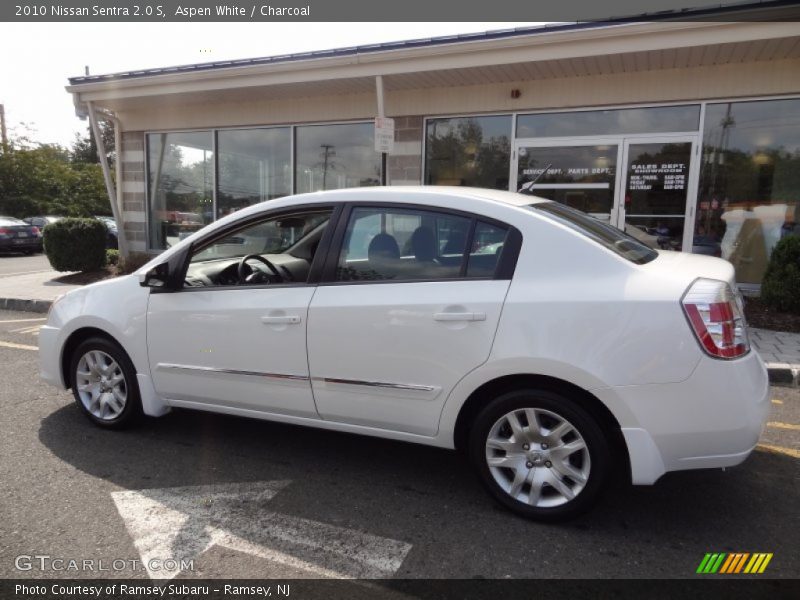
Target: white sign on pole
(384, 134)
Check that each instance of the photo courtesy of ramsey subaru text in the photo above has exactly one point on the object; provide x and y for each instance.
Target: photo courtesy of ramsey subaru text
(552, 349)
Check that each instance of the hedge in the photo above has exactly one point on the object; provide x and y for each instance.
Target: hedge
(76, 244)
(780, 288)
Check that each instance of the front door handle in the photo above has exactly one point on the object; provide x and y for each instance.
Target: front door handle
(460, 316)
(282, 320)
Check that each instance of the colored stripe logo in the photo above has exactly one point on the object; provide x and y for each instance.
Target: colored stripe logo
(735, 562)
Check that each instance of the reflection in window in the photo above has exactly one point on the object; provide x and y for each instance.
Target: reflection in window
(330, 157)
(472, 151)
(750, 182)
(487, 246)
(606, 122)
(402, 245)
(254, 165)
(180, 177)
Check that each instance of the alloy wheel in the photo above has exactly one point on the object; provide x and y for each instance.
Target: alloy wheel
(101, 385)
(537, 457)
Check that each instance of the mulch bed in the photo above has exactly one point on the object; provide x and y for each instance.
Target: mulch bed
(763, 317)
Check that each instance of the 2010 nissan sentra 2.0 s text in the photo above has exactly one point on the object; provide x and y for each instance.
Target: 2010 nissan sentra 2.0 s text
(548, 346)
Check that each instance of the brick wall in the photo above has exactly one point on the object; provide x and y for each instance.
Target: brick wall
(404, 165)
(133, 190)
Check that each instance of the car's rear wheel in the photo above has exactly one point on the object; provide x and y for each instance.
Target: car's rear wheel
(104, 384)
(540, 454)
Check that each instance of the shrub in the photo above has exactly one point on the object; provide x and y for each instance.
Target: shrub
(76, 244)
(780, 288)
(112, 256)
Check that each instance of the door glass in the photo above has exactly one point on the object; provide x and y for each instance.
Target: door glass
(402, 245)
(655, 193)
(581, 177)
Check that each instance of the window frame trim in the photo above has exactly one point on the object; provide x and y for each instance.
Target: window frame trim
(506, 264)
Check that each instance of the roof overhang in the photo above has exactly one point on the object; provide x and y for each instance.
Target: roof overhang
(540, 55)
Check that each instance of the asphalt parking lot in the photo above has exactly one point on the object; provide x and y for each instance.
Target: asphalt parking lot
(258, 499)
(14, 263)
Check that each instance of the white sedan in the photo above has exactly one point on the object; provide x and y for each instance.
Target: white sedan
(568, 352)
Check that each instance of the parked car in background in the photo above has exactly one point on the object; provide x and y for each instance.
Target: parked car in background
(18, 236)
(42, 222)
(554, 351)
(112, 239)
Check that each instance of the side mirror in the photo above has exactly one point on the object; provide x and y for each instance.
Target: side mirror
(167, 276)
(157, 277)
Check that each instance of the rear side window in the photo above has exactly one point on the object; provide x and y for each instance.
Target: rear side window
(402, 245)
(605, 234)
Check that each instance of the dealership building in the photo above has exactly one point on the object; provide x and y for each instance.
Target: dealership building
(685, 133)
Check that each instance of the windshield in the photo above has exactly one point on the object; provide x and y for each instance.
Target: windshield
(605, 234)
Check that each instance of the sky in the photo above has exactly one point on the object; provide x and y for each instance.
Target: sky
(41, 56)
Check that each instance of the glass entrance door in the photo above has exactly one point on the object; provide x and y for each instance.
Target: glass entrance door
(655, 191)
(637, 183)
(580, 175)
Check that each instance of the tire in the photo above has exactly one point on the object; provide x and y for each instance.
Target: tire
(104, 384)
(551, 472)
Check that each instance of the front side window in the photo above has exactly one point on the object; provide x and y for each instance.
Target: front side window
(280, 249)
(395, 244)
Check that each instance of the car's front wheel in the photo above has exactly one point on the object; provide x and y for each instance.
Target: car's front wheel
(540, 454)
(104, 384)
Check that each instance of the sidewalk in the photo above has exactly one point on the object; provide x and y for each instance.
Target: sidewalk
(33, 292)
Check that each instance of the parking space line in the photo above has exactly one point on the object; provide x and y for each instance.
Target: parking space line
(780, 450)
(22, 320)
(777, 401)
(34, 329)
(17, 346)
(779, 425)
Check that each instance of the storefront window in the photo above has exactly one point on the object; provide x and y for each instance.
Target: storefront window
(253, 165)
(750, 181)
(330, 157)
(473, 151)
(180, 181)
(655, 119)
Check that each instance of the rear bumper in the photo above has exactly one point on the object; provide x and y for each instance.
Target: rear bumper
(11, 244)
(712, 419)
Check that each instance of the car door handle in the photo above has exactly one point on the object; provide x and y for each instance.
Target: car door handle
(285, 319)
(460, 316)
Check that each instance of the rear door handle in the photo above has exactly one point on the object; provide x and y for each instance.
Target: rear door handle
(460, 316)
(286, 319)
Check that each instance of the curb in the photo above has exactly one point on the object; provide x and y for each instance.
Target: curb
(784, 375)
(36, 306)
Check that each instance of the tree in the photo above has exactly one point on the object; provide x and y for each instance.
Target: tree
(44, 179)
(84, 147)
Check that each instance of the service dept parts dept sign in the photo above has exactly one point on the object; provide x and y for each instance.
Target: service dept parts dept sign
(384, 134)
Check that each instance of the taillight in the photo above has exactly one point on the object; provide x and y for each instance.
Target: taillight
(35, 231)
(3, 231)
(717, 318)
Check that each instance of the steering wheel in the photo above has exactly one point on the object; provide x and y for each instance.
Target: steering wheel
(243, 276)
